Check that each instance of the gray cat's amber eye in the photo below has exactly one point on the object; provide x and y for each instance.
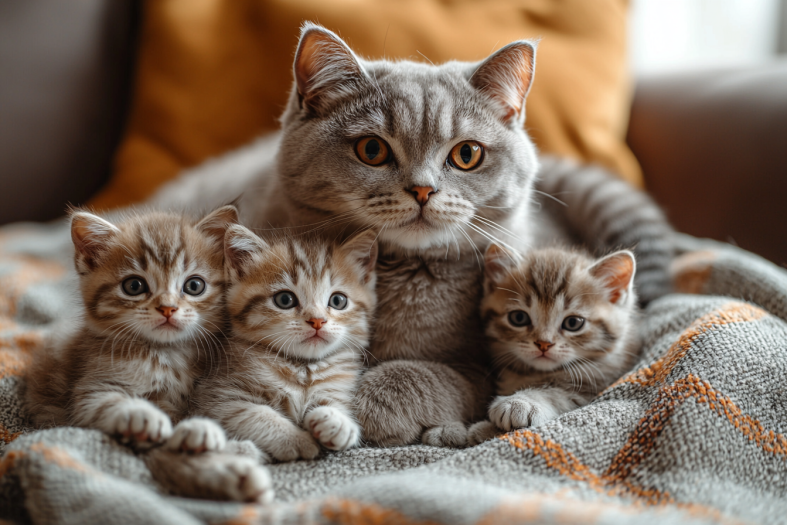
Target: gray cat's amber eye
(285, 300)
(194, 286)
(372, 151)
(466, 155)
(135, 286)
(572, 323)
(518, 318)
(338, 301)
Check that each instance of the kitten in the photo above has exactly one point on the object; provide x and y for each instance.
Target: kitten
(153, 293)
(562, 327)
(301, 310)
(437, 159)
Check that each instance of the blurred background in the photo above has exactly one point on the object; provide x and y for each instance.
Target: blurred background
(682, 35)
(698, 108)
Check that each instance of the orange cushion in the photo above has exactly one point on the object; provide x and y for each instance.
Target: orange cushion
(214, 74)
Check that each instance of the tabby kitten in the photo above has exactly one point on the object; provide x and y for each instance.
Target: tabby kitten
(301, 310)
(561, 327)
(153, 292)
(437, 159)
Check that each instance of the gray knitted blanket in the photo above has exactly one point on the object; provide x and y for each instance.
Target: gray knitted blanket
(695, 433)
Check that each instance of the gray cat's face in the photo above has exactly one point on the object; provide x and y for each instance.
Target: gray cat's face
(427, 155)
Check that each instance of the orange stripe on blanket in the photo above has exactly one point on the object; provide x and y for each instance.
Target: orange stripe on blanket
(7, 436)
(661, 368)
(561, 508)
(350, 512)
(31, 270)
(567, 464)
(642, 441)
(15, 353)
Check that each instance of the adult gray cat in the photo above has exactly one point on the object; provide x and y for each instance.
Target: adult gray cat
(436, 159)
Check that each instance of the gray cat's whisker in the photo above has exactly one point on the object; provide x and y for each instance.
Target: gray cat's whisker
(545, 194)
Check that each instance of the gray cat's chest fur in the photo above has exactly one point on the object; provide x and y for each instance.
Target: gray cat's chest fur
(427, 309)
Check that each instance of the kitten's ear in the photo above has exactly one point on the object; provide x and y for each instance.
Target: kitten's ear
(362, 249)
(215, 224)
(498, 261)
(90, 234)
(240, 247)
(506, 77)
(617, 272)
(325, 68)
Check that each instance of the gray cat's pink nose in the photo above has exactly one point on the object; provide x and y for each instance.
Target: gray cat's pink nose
(422, 193)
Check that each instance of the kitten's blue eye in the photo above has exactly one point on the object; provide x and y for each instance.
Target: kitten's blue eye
(518, 318)
(285, 300)
(338, 301)
(194, 286)
(572, 323)
(135, 286)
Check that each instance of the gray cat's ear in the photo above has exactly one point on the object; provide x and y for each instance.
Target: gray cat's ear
(90, 234)
(498, 262)
(325, 69)
(362, 250)
(240, 246)
(215, 224)
(506, 77)
(616, 271)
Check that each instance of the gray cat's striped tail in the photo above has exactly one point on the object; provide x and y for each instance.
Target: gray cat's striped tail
(607, 213)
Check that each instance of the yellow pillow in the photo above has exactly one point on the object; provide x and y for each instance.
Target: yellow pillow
(213, 74)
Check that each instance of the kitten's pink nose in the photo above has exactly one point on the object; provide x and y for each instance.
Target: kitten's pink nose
(544, 346)
(317, 323)
(167, 311)
(422, 193)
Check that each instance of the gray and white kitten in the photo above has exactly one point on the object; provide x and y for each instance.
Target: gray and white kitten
(437, 160)
(561, 327)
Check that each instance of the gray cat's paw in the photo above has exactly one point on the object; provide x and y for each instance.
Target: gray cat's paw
(480, 432)
(452, 435)
(520, 411)
(197, 434)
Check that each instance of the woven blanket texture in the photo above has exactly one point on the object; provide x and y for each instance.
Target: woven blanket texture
(694, 433)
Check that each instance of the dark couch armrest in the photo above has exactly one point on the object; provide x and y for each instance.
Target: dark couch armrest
(713, 147)
(66, 77)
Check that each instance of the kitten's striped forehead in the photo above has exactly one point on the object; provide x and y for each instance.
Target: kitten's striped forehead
(163, 245)
(307, 262)
(549, 279)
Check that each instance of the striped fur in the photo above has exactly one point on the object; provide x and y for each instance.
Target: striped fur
(604, 213)
(129, 370)
(430, 364)
(282, 383)
(544, 368)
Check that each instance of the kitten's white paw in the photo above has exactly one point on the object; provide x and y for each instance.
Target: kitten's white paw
(520, 410)
(236, 478)
(197, 434)
(292, 445)
(452, 435)
(139, 420)
(334, 429)
(480, 432)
